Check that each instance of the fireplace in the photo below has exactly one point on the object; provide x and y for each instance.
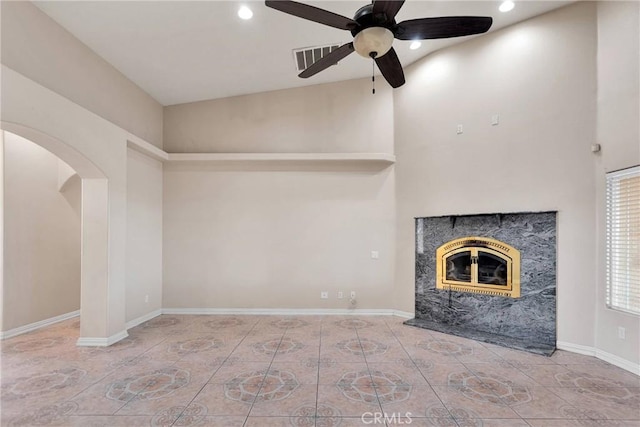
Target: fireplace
(489, 277)
(479, 264)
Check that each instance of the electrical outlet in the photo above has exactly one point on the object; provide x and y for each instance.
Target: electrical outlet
(324, 294)
(459, 129)
(146, 298)
(622, 332)
(495, 120)
(375, 254)
(340, 295)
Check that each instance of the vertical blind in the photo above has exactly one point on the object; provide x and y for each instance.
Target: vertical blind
(623, 240)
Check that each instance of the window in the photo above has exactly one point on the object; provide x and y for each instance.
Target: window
(623, 240)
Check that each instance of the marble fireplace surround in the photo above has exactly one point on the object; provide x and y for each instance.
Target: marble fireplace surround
(525, 323)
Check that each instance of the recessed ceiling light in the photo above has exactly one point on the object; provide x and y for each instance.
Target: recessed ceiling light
(415, 45)
(506, 6)
(245, 13)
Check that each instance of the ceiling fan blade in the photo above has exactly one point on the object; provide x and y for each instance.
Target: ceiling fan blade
(388, 7)
(327, 61)
(442, 27)
(391, 69)
(312, 13)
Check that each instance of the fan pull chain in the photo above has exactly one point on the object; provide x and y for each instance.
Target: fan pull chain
(373, 77)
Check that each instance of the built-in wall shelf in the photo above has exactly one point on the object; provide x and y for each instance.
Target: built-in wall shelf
(144, 147)
(291, 159)
(283, 157)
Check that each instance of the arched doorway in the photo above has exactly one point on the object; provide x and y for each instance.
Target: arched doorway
(94, 277)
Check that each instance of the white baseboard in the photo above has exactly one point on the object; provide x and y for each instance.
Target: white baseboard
(37, 325)
(576, 348)
(135, 322)
(634, 368)
(101, 342)
(290, 311)
(404, 314)
(618, 361)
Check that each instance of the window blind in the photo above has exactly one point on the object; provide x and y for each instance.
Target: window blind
(623, 240)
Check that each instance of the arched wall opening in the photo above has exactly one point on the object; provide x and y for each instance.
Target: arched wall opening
(42, 213)
(94, 223)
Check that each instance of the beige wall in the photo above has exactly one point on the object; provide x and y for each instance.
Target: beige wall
(540, 77)
(618, 131)
(275, 236)
(42, 236)
(338, 117)
(37, 47)
(144, 235)
(256, 238)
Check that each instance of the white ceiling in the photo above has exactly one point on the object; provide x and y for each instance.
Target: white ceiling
(185, 51)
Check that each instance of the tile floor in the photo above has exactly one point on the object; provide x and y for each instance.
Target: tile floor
(302, 371)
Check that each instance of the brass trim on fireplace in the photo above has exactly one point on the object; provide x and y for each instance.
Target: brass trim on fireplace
(479, 265)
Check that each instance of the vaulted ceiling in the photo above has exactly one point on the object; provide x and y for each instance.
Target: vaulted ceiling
(185, 51)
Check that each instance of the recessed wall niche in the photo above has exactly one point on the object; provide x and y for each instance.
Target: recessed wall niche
(467, 267)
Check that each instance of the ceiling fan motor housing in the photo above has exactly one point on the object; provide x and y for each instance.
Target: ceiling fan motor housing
(373, 36)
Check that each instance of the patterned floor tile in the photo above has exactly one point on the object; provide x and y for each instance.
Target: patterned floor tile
(604, 402)
(614, 377)
(349, 401)
(474, 400)
(235, 370)
(285, 400)
(384, 374)
(332, 372)
(222, 421)
(403, 399)
(321, 371)
(218, 400)
(280, 422)
(301, 372)
(540, 402)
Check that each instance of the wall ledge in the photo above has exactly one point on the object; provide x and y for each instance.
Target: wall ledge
(101, 342)
(146, 148)
(282, 157)
(37, 325)
(154, 152)
(618, 361)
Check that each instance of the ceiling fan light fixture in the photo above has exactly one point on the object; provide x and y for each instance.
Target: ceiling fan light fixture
(245, 13)
(506, 6)
(373, 39)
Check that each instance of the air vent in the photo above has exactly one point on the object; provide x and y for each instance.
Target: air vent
(305, 57)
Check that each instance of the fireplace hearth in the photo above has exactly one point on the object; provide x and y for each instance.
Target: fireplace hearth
(489, 277)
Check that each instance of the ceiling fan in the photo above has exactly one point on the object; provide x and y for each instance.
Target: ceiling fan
(373, 28)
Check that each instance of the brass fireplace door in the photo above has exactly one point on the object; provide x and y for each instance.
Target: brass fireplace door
(479, 265)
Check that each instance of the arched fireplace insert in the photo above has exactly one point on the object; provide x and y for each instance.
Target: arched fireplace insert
(480, 265)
